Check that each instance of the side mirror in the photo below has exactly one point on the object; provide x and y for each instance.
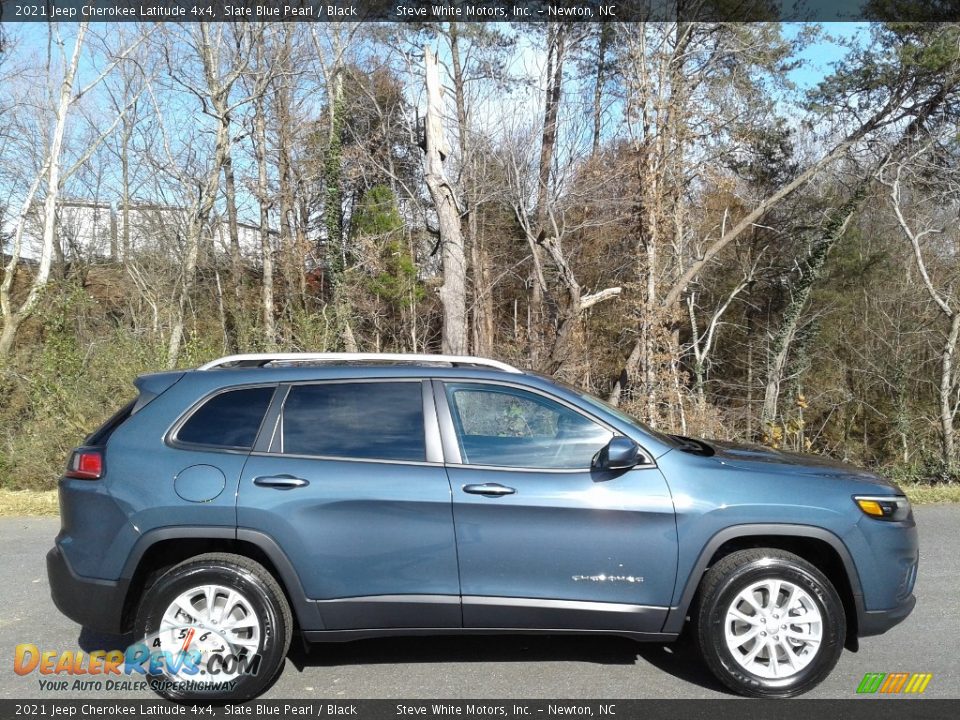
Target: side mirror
(621, 453)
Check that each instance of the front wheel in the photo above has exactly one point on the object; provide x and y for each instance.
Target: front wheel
(770, 624)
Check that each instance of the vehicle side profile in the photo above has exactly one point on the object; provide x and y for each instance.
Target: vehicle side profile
(339, 496)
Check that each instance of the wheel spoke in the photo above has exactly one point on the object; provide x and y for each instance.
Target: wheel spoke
(748, 619)
(210, 595)
(791, 655)
(178, 614)
(252, 643)
(751, 600)
(244, 622)
(791, 598)
(754, 651)
(774, 596)
(741, 640)
(803, 637)
(772, 652)
(232, 599)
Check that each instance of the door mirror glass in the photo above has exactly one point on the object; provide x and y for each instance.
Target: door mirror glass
(621, 453)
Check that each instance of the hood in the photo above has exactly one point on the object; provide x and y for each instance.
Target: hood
(759, 458)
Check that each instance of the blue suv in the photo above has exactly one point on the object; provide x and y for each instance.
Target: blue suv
(341, 496)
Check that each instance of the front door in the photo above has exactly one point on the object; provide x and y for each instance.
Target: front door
(543, 541)
(351, 490)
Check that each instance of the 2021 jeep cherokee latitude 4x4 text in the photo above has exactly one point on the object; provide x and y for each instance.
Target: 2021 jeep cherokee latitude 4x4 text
(346, 496)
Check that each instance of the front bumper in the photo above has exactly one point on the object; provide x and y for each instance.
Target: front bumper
(95, 604)
(877, 622)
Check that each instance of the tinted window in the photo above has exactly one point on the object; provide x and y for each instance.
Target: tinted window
(100, 436)
(506, 427)
(372, 421)
(229, 419)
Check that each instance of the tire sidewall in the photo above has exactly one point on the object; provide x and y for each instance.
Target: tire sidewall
(257, 594)
(828, 604)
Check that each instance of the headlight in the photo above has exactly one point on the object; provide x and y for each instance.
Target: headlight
(884, 507)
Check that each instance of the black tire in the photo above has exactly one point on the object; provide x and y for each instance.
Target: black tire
(259, 589)
(731, 575)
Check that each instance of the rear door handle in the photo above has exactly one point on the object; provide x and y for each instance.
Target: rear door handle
(280, 482)
(489, 489)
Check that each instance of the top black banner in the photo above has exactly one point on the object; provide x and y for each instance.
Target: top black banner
(479, 10)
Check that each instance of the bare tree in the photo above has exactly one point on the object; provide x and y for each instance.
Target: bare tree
(923, 212)
(453, 292)
(50, 179)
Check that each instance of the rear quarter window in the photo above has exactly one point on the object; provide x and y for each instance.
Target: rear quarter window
(99, 437)
(229, 419)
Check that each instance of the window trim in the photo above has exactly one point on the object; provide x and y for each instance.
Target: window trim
(451, 442)
(431, 431)
(171, 439)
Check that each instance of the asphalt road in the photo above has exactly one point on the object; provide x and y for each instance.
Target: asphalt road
(503, 667)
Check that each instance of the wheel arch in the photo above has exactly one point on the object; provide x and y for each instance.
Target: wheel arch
(819, 546)
(158, 550)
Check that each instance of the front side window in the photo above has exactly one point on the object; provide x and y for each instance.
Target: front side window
(229, 419)
(367, 421)
(508, 427)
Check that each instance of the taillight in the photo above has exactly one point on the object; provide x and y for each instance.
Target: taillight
(85, 464)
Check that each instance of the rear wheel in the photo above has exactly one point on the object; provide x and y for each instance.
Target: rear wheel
(770, 624)
(216, 627)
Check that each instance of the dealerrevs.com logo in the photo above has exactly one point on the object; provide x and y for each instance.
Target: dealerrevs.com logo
(894, 683)
(201, 660)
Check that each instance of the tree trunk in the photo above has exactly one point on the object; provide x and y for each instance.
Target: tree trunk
(556, 55)
(947, 391)
(292, 260)
(603, 41)
(8, 335)
(125, 198)
(187, 280)
(266, 245)
(481, 306)
(233, 305)
(453, 290)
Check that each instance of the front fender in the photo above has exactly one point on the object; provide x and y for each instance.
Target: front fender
(683, 595)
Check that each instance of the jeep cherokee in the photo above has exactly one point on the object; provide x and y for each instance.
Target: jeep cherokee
(343, 496)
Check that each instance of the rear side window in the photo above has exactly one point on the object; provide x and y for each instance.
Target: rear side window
(229, 419)
(100, 436)
(368, 421)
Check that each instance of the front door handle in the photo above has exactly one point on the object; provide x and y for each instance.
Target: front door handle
(489, 489)
(280, 482)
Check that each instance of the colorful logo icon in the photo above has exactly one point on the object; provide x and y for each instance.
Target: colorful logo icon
(894, 683)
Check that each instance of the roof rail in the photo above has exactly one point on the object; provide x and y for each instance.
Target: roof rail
(262, 359)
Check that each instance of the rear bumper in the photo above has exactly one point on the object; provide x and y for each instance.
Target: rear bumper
(94, 603)
(877, 622)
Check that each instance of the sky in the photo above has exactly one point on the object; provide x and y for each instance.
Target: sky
(818, 59)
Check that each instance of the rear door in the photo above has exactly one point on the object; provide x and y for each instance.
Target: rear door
(350, 483)
(544, 541)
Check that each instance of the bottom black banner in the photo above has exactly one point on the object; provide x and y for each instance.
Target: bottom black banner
(733, 709)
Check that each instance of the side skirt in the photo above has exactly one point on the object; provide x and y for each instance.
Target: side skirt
(321, 636)
(378, 615)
